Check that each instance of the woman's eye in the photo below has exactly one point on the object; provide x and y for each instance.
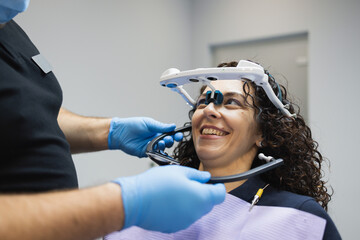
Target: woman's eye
(232, 101)
(200, 103)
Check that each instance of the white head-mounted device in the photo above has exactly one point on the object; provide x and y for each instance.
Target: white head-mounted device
(175, 79)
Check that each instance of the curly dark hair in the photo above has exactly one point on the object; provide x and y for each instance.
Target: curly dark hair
(283, 137)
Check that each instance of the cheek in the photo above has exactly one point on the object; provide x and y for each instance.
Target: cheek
(195, 122)
(245, 124)
(196, 118)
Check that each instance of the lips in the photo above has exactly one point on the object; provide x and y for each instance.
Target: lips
(213, 131)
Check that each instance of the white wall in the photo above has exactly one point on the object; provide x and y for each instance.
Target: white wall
(108, 56)
(334, 58)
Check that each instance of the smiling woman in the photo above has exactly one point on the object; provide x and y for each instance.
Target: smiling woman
(227, 138)
(225, 135)
(258, 126)
(228, 133)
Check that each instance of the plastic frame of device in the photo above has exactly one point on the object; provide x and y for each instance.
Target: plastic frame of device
(175, 79)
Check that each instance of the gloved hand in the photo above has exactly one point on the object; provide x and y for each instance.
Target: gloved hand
(132, 135)
(168, 141)
(168, 198)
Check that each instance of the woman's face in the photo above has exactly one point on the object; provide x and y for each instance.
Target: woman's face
(225, 135)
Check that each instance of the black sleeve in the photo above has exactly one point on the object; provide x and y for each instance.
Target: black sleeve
(311, 206)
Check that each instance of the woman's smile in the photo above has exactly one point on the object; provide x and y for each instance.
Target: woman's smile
(209, 131)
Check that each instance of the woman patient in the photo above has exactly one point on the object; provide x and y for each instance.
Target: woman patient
(226, 139)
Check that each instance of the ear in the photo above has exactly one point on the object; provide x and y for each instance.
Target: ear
(260, 143)
(258, 135)
(259, 140)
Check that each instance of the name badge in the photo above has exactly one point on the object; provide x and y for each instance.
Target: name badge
(42, 63)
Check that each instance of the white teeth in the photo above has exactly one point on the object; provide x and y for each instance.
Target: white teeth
(211, 131)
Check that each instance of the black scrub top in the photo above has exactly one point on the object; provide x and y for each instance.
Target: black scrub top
(34, 154)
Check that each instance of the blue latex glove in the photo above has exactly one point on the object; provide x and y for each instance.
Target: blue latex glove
(168, 198)
(132, 135)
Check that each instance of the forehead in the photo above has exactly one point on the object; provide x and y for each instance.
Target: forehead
(227, 86)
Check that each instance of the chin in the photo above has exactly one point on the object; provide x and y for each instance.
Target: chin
(209, 157)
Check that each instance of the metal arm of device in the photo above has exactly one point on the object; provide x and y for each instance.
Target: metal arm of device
(180, 90)
(248, 174)
(161, 158)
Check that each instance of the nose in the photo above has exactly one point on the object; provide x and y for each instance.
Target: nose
(211, 111)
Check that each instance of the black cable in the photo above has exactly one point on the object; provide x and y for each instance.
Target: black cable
(161, 158)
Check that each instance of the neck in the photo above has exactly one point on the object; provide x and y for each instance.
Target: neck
(232, 185)
(231, 170)
(2, 25)
(231, 167)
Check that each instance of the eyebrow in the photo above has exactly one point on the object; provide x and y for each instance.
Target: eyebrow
(228, 94)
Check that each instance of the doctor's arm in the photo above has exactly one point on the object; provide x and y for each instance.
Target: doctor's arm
(131, 135)
(84, 134)
(73, 214)
(165, 199)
